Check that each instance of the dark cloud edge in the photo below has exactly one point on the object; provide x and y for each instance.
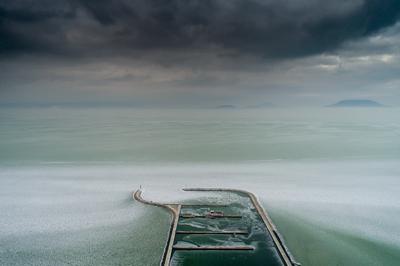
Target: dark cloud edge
(132, 27)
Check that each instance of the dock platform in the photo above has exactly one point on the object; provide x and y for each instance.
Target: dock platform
(211, 234)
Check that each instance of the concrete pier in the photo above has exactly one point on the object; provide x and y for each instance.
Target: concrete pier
(284, 253)
(175, 211)
(213, 232)
(189, 216)
(214, 248)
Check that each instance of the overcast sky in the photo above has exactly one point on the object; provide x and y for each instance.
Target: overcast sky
(199, 53)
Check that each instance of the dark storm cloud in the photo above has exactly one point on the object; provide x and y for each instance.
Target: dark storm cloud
(25, 25)
(273, 29)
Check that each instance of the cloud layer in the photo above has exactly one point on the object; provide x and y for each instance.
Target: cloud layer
(266, 28)
(199, 53)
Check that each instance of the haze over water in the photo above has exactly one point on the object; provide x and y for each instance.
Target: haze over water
(328, 177)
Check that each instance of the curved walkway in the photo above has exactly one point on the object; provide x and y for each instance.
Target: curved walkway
(174, 209)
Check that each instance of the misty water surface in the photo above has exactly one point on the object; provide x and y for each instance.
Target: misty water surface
(328, 177)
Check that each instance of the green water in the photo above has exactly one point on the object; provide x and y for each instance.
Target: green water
(258, 237)
(329, 177)
(349, 249)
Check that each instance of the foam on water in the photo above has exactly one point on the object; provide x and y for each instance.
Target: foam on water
(54, 212)
(329, 180)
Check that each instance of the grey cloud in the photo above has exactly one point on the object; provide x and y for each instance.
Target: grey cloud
(270, 29)
(199, 53)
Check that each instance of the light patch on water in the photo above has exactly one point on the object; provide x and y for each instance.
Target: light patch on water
(52, 213)
(328, 176)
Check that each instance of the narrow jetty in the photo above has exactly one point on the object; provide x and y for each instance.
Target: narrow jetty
(213, 232)
(214, 248)
(189, 216)
(210, 217)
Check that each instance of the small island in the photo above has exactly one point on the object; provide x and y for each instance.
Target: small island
(226, 106)
(261, 105)
(356, 103)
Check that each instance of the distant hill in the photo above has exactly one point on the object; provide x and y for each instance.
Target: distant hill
(226, 106)
(356, 103)
(261, 105)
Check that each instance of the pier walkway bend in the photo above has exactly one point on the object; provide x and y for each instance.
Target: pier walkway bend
(208, 234)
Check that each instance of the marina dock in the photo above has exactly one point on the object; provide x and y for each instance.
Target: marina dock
(213, 232)
(258, 244)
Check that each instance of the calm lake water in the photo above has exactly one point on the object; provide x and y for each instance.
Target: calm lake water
(330, 179)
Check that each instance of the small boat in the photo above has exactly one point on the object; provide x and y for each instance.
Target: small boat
(215, 214)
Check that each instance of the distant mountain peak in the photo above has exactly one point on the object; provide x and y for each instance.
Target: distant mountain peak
(356, 103)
